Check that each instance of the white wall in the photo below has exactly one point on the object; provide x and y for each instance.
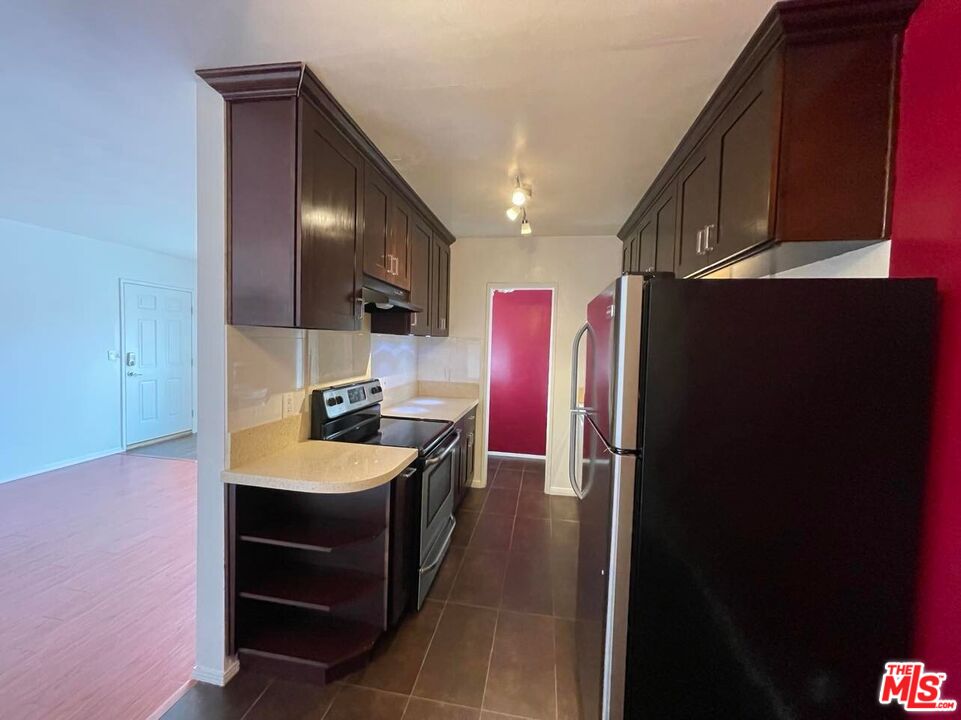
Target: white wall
(869, 262)
(578, 267)
(60, 300)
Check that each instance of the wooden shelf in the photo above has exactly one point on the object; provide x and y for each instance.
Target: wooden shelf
(312, 645)
(308, 586)
(321, 537)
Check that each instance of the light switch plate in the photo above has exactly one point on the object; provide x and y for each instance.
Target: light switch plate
(113, 355)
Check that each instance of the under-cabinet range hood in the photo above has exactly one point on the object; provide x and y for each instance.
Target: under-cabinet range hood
(381, 297)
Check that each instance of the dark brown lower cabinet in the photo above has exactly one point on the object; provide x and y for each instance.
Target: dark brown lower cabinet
(308, 579)
(465, 451)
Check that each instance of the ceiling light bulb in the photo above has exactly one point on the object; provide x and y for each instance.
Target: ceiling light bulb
(513, 213)
(519, 197)
(526, 227)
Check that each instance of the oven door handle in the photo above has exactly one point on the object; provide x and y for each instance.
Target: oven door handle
(445, 452)
(443, 549)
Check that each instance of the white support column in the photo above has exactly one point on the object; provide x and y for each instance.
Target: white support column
(212, 665)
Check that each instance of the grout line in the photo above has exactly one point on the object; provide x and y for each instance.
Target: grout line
(257, 700)
(430, 643)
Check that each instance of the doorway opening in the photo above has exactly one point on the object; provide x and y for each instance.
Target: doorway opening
(157, 365)
(519, 376)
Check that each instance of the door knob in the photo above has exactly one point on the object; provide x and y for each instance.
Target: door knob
(131, 373)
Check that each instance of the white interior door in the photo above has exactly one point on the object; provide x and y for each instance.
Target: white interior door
(157, 345)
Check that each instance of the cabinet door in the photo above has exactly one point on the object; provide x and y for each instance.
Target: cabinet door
(440, 287)
(377, 209)
(626, 256)
(747, 164)
(420, 292)
(665, 219)
(398, 246)
(470, 427)
(331, 208)
(697, 192)
(646, 246)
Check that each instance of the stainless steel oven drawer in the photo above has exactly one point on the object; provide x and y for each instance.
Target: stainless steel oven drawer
(435, 558)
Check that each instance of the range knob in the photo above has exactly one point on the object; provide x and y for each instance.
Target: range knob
(331, 401)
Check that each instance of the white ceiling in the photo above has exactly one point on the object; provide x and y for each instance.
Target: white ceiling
(586, 99)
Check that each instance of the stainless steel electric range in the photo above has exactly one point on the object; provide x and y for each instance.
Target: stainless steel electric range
(422, 497)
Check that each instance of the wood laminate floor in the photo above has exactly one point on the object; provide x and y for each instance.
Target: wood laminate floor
(494, 640)
(97, 589)
(183, 447)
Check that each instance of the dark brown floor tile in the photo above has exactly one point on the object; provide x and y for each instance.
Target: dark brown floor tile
(565, 660)
(501, 501)
(533, 482)
(533, 503)
(532, 535)
(210, 702)
(420, 709)
(521, 678)
(481, 578)
(564, 508)
(493, 532)
(398, 657)
(474, 499)
(293, 701)
(527, 584)
(357, 703)
(488, 715)
(564, 537)
(508, 478)
(564, 584)
(456, 666)
(466, 521)
(447, 574)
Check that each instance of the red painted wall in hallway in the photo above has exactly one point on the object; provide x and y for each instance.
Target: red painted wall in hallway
(520, 360)
(926, 241)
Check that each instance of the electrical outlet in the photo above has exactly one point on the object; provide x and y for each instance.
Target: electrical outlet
(293, 402)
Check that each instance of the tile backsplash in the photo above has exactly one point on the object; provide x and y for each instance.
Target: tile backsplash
(265, 364)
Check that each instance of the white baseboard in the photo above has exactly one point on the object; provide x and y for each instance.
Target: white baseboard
(522, 456)
(567, 491)
(62, 464)
(214, 676)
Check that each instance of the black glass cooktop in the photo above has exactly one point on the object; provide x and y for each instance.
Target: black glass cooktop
(404, 432)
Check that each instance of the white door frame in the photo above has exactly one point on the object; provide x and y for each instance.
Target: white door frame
(124, 282)
(486, 380)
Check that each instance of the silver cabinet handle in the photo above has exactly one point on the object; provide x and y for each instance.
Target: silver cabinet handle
(700, 238)
(577, 411)
(708, 230)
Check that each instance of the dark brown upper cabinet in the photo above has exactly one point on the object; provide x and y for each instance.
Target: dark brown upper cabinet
(420, 276)
(440, 292)
(401, 226)
(791, 159)
(377, 210)
(313, 206)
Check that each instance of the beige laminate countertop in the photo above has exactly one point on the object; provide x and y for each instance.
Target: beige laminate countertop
(431, 408)
(318, 466)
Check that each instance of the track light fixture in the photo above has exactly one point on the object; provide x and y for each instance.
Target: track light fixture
(520, 194)
(526, 228)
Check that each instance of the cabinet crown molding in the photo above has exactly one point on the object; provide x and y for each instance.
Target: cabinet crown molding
(245, 83)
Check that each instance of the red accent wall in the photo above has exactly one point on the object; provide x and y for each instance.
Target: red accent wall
(926, 242)
(520, 360)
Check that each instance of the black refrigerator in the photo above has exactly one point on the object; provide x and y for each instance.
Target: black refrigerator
(749, 460)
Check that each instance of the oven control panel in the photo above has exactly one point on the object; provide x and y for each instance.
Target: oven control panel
(343, 399)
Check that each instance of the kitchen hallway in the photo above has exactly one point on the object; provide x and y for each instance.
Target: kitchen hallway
(494, 639)
(97, 589)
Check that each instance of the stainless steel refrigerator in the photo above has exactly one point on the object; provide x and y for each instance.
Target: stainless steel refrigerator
(749, 460)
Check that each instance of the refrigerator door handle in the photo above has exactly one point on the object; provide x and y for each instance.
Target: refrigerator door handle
(577, 411)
